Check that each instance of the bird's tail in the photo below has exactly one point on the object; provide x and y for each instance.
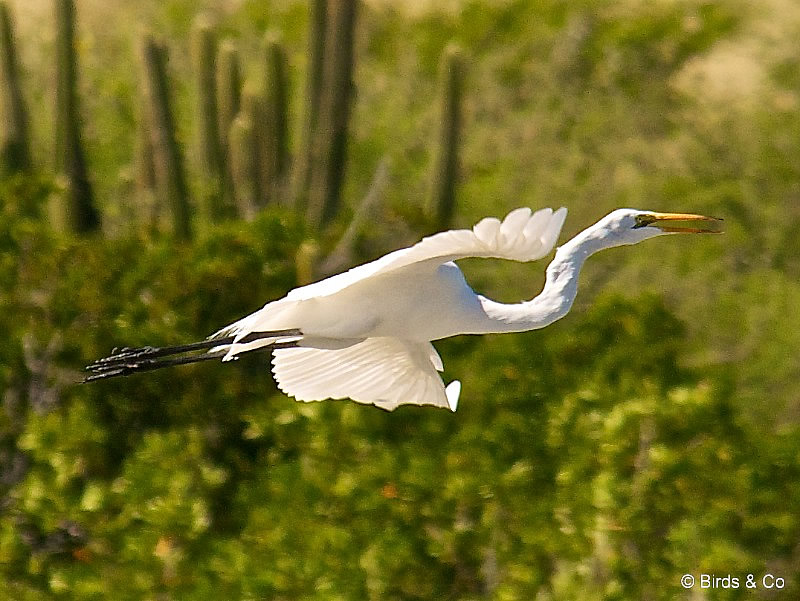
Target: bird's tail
(126, 361)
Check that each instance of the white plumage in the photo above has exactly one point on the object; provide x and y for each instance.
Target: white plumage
(367, 331)
(366, 334)
(385, 371)
(521, 236)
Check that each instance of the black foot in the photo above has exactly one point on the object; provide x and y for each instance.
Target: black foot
(125, 361)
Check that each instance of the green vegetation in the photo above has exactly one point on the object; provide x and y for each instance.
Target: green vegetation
(651, 433)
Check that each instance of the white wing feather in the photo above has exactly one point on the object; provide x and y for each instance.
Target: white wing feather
(386, 372)
(521, 236)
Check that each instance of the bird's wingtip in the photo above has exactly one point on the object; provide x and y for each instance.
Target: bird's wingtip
(453, 391)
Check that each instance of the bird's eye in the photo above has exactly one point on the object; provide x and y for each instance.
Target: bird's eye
(643, 220)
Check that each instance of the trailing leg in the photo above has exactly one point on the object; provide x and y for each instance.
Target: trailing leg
(126, 361)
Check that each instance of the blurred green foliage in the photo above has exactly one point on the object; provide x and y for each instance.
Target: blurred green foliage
(650, 434)
(584, 463)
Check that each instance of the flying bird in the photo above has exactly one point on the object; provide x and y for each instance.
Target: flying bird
(365, 334)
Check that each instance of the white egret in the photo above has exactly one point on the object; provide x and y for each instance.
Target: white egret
(366, 334)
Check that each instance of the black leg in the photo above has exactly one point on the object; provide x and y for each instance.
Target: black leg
(126, 355)
(131, 360)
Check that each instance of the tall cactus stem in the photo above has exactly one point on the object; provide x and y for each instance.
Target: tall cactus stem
(228, 86)
(442, 195)
(254, 111)
(229, 96)
(276, 109)
(244, 165)
(209, 153)
(147, 211)
(81, 214)
(331, 145)
(168, 162)
(14, 144)
(301, 173)
(229, 89)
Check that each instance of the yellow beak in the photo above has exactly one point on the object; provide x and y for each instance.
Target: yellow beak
(685, 223)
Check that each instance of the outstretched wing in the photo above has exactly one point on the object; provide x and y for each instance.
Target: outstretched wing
(386, 372)
(521, 236)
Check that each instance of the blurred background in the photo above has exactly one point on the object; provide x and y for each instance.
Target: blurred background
(167, 167)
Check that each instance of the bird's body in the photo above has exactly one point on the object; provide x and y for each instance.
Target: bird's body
(366, 333)
(419, 307)
(416, 293)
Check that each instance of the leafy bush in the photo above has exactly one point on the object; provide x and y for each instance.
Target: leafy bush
(574, 467)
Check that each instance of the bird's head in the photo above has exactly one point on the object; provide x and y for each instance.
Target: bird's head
(629, 226)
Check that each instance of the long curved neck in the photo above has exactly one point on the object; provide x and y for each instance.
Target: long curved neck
(558, 294)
